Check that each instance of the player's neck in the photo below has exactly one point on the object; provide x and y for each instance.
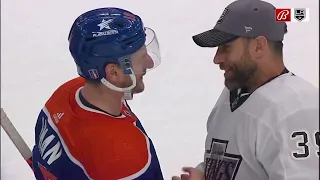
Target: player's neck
(263, 75)
(103, 98)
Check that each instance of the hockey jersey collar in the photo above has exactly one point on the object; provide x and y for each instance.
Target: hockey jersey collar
(239, 96)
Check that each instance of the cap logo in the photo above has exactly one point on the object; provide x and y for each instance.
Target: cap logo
(223, 15)
(248, 29)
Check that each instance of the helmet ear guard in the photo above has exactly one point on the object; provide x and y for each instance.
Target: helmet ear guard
(125, 64)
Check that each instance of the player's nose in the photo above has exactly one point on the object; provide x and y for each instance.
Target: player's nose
(217, 59)
(149, 62)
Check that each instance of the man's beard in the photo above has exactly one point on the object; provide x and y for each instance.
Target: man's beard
(242, 72)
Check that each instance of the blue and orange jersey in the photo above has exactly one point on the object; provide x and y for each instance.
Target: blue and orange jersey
(74, 141)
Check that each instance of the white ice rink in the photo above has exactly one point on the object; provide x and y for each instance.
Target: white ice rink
(179, 93)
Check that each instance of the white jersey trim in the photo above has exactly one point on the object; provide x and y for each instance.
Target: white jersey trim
(77, 97)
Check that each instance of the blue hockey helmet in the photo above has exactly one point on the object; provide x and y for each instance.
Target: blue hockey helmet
(109, 35)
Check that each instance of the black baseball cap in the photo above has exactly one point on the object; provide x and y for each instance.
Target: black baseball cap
(243, 18)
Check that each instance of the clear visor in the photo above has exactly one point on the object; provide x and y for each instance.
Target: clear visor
(148, 57)
(153, 47)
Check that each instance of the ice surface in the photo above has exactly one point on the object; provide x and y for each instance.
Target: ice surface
(179, 93)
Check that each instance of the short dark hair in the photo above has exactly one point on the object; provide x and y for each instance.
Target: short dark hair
(92, 82)
(276, 47)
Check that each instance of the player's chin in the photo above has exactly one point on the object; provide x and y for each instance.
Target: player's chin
(139, 87)
(231, 84)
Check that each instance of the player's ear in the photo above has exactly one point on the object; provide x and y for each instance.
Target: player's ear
(260, 46)
(113, 72)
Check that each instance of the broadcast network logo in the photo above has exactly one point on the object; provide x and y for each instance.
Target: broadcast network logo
(292, 14)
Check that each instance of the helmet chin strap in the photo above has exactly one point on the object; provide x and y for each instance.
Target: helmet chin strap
(127, 91)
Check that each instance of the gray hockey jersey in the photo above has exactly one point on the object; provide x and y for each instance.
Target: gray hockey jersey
(270, 134)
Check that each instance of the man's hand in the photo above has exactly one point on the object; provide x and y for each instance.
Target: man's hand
(192, 174)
